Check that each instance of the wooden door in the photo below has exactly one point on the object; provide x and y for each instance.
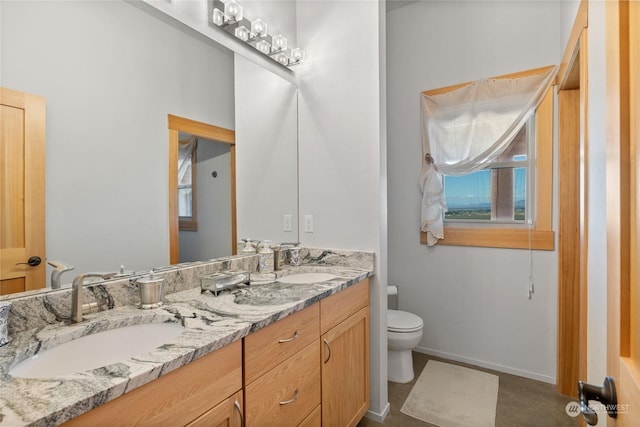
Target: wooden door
(345, 371)
(228, 413)
(22, 191)
(623, 207)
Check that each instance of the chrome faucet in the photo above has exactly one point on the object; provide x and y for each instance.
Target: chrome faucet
(77, 308)
(58, 269)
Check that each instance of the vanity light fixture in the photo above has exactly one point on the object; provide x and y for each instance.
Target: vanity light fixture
(229, 16)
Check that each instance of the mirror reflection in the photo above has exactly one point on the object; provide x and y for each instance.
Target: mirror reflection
(206, 228)
(108, 94)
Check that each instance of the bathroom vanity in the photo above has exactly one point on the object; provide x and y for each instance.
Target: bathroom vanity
(271, 353)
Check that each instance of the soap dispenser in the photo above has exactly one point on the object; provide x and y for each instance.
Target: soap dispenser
(248, 249)
(265, 263)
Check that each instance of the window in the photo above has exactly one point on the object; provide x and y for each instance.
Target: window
(501, 185)
(187, 180)
(499, 193)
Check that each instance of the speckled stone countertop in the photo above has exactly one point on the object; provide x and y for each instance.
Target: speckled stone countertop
(210, 323)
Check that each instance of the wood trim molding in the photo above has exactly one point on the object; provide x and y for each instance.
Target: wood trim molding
(568, 242)
(525, 73)
(180, 124)
(201, 129)
(509, 238)
(569, 73)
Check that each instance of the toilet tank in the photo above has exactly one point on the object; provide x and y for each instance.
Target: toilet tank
(392, 297)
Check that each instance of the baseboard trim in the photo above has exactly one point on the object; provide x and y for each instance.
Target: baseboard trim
(378, 417)
(487, 365)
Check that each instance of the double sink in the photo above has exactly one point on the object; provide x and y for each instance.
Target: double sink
(119, 344)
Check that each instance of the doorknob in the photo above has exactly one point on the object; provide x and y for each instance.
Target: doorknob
(33, 261)
(605, 394)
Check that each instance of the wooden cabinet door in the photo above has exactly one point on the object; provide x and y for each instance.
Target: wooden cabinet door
(22, 183)
(345, 371)
(227, 414)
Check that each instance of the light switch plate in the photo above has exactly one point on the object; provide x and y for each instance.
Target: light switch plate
(308, 223)
(288, 223)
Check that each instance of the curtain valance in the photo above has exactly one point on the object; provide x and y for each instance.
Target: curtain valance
(466, 127)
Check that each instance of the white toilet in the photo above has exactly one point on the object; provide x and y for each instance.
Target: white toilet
(404, 331)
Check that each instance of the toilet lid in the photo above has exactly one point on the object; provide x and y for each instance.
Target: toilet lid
(402, 321)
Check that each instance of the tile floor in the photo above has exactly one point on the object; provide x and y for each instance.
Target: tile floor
(522, 402)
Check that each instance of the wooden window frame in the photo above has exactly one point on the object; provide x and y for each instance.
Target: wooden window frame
(541, 236)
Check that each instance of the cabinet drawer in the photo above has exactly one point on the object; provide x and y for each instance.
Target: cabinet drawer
(176, 398)
(286, 394)
(338, 307)
(314, 419)
(269, 346)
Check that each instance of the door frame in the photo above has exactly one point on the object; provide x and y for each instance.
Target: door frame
(571, 362)
(204, 130)
(623, 208)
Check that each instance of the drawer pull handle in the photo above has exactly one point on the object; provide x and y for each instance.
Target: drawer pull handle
(239, 409)
(328, 348)
(295, 397)
(295, 335)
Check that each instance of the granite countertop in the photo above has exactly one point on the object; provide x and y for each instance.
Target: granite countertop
(210, 323)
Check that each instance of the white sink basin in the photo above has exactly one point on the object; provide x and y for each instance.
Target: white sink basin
(97, 350)
(302, 278)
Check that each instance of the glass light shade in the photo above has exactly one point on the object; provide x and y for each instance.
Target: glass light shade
(242, 33)
(218, 17)
(279, 42)
(233, 11)
(297, 55)
(264, 47)
(258, 28)
(282, 58)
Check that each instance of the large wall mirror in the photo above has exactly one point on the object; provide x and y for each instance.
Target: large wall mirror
(111, 72)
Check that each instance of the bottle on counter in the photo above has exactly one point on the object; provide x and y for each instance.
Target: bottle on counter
(265, 263)
(248, 249)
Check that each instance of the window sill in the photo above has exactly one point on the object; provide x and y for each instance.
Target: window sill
(509, 238)
(188, 225)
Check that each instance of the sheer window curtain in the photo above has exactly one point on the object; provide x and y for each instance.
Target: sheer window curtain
(465, 128)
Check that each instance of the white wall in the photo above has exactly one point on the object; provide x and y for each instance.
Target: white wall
(213, 238)
(111, 72)
(473, 300)
(340, 161)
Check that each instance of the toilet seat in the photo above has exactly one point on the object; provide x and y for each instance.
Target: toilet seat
(402, 321)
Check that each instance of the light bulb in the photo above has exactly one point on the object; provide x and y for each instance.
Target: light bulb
(282, 58)
(279, 42)
(297, 55)
(218, 17)
(264, 47)
(242, 33)
(233, 11)
(258, 28)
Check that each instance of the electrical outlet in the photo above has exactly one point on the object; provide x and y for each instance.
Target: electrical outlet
(288, 223)
(308, 223)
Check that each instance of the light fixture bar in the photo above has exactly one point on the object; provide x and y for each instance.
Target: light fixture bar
(230, 17)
